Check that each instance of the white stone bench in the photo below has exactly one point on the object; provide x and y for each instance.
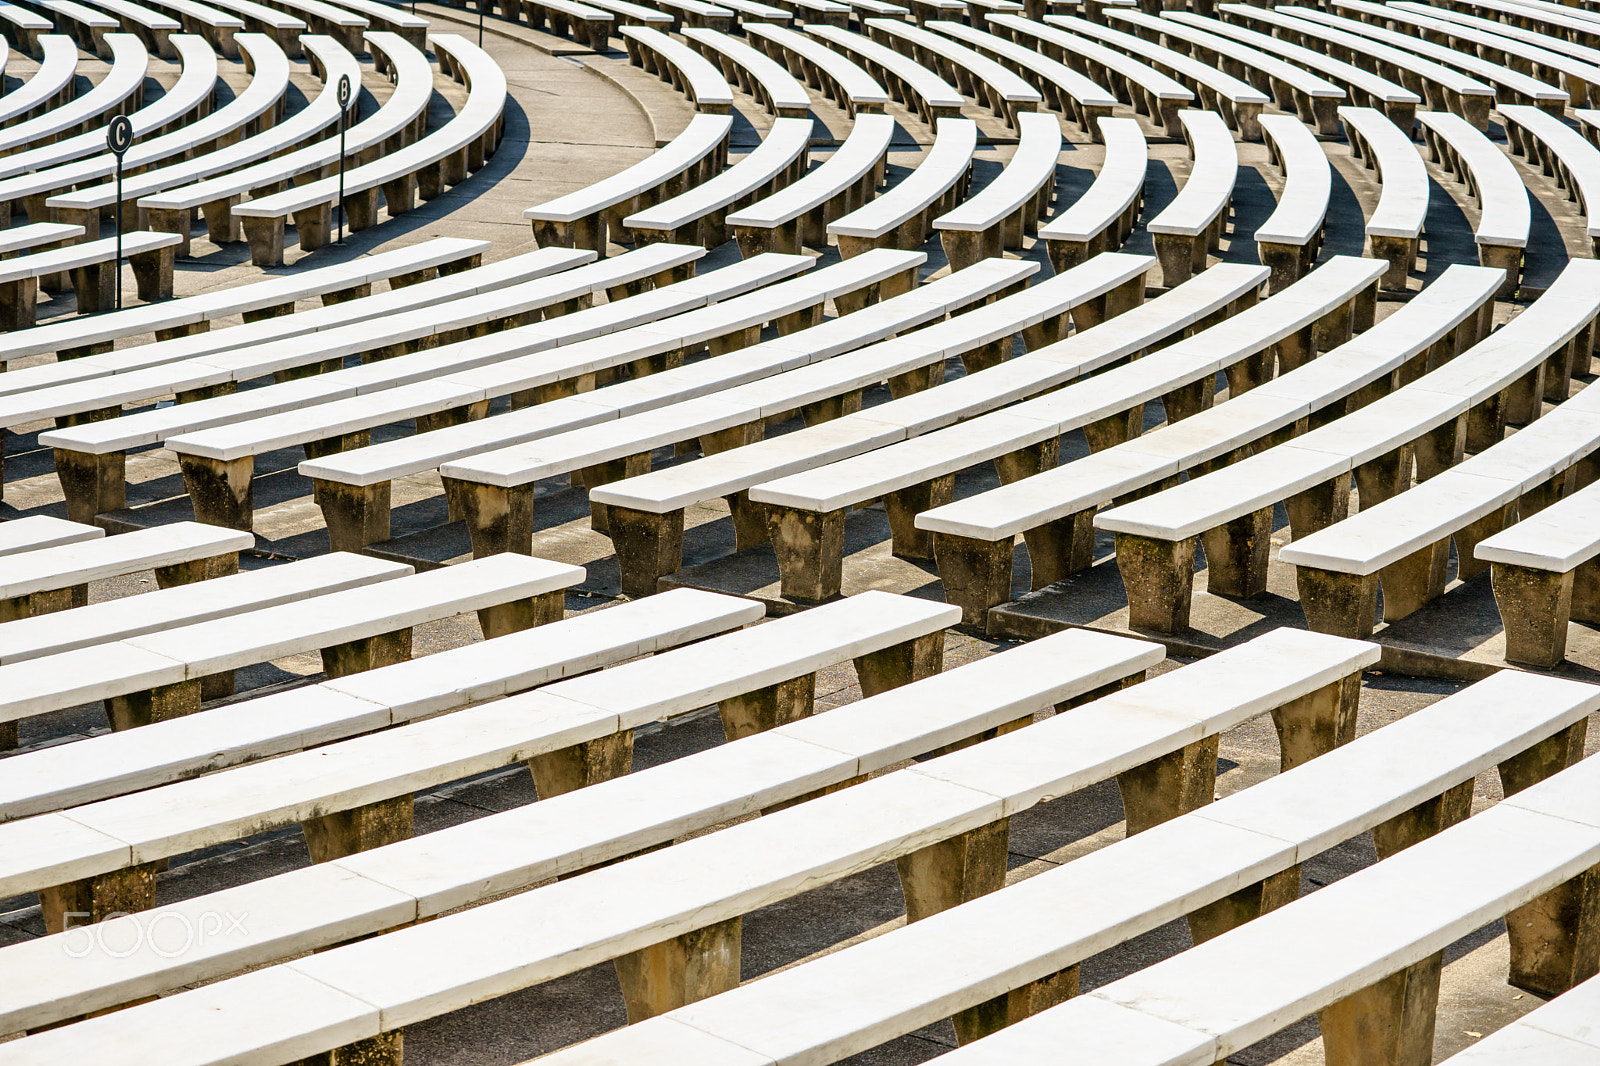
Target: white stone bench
(920, 90)
(1504, 216)
(753, 11)
(51, 579)
(917, 476)
(122, 89)
(682, 67)
(1560, 1031)
(1237, 101)
(1010, 206)
(1511, 86)
(1403, 543)
(386, 16)
(112, 764)
(346, 27)
(992, 84)
(646, 512)
(1064, 89)
(356, 794)
(401, 119)
(900, 217)
(1565, 40)
(216, 26)
(1104, 216)
(1295, 90)
(1394, 230)
(1192, 224)
(1577, 78)
(156, 676)
(88, 26)
(1365, 88)
(423, 168)
(1022, 945)
(690, 13)
(1289, 240)
(1463, 404)
(1561, 152)
(257, 300)
(945, 822)
(1142, 87)
(90, 464)
(972, 701)
(592, 216)
(1365, 954)
(822, 12)
(52, 85)
(755, 72)
(152, 27)
(353, 487)
(1555, 21)
(585, 23)
(92, 268)
(219, 462)
(26, 238)
(697, 215)
(242, 131)
(825, 70)
(1443, 87)
(281, 26)
(797, 215)
(24, 28)
(1054, 509)
(42, 531)
(979, 10)
(634, 14)
(1542, 577)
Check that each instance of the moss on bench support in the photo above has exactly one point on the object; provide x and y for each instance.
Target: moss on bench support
(648, 545)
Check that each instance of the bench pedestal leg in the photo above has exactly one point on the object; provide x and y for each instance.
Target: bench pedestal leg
(222, 225)
(1555, 939)
(1535, 606)
(1169, 785)
(1158, 576)
(991, 1016)
(582, 765)
(605, 473)
(976, 574)
(499, 519)
(1236, 555)
(368, 653)
(1059, 549)
(313, 226)
(767, 708)
(48, 601)
(1341, 604)
(810, 550)
(648, 546)
(94, 899)
(373, 825)
(356, 515)
(954, 871)
(1247, 904)
(153, 705)
(385, 1049)
(1550, 756)
(152, 273)
(1319, 506)
(514, 617)
(1387, 1024)
(1317, 722)
(1413, 581)
(17, 303)
(900, 664)
(903, 506)
(266, 240)
(683, 970)
(220, 489)
(1425, 820)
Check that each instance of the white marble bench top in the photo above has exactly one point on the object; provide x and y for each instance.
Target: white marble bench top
(1559, 538)
(1403, 200)
(859, 86)
(644, 16)
(1121, 178)
(1580, 158)
(115, 763)
(1082, 89)
(781, 87)
(1506, 217)
(706, 85)
(1167, 450)
(1161, 86)
(1010, 86)
(703, 134)
(788, 140)
(1270, 65)
(42, 531)
(95, 560)
(1224, 84)
(1347, 73)
(944, 164)
(400, 978)
(129, 64)
(1560, 1033)
(868, 142)
(934, 90)
(173, 655)
(1031, 167)
(1216, 999)
(56, 69)
(867, 994)
(1308, 182)
(1577, 21)
(1209, 187)
(420, 452)
(561, 834)
(1549, 59)
(37, 264)
(254, 296)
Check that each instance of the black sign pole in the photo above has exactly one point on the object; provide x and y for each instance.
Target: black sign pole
(480, 21)
(344, 114)
(119, 138)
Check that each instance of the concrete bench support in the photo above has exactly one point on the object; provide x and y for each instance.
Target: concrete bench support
(954, 871)
(344, 833)
(683, 970)
(94, 899)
